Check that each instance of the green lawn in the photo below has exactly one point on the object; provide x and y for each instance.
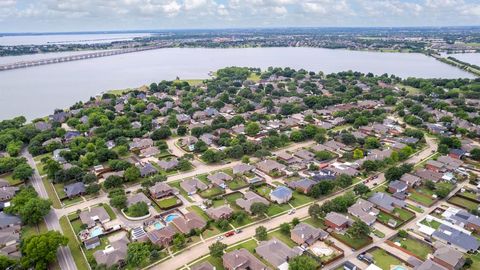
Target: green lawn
(180, 189)
(212, 231)
(384, 260)
(168, 202)
(110, 211)
(378, 233)
(247, 220)
(197, 210)
(74, 245)
(461, 202)
(415, 208)
(421, 198)
(476, 261)
(59, 188)
(77, 226)
(433, 224)
(275, 209)
(384, 218)
(52, 195)
(249, 245)
(237, 183)
(231, 198)
(315, 223)
(403, 214)
(299, 199)
(416, 246)
(11, 181)
(282, 237)
(264, 191)
(470, 194)
(356, 243)
(211, 192)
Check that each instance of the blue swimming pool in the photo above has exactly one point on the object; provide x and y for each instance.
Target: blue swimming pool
(158, 225)
(96, 231)
(170, 217)
(398, 267)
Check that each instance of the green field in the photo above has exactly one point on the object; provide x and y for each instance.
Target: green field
(168, 202)
(462, 202)
(356, 243)
(433, 224)
(416, 246)
(384, 260)
(211, 192)
(74, 245)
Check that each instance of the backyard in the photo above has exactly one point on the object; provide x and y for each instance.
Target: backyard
(355, 243)
(415, 246)
(168, 203)
(464, 203)
(383, 259)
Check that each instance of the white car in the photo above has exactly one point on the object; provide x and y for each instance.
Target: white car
(219, 238)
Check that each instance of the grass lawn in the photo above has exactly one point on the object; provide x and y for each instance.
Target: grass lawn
(110, 211)
(415, 208)
(384, 218)
(77, 226)
(71, 201)
(249, 245)
(275, 209)
(247, 220)
(315, 223)
(73, 244)
(231, 198)
(378, 233)
(59, 188)
(416, 246)
(29, 230)
(356, 243)
(421, 198)
(51, 193)
(282, 237)
(211, 192)
(237, 183)
(476, 261)
(470, 194)
(264, 191)
(10, 179)
(383, 259)
(433, 224)
(212, 231)
(218, 203)
(180, 189)
(403, 214)
(168, 202)
(197, 210)
(299, 199)
(461, 202)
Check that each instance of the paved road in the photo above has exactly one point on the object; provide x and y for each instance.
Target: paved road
(201, 249)
(65, 258)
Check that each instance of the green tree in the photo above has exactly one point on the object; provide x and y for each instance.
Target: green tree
(119, 201)
(344, 180)
(139, 209)
(29, 206)
(22, 171)
(302, 262)
(161, 133)
(132, 174)
(295, 222)
(6, 262)
(442, 192)
(252, 128)
(258, 208)
(315, 211)
(261, 233)
(372, 143)
(179, 241)
(138, 254)
(216, 249)
(357, 154)
(359, 229)
(285, 228)
(475, 154)
(361, 189)
(41, 250)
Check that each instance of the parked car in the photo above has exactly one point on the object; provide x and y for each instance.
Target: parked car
(230, 233)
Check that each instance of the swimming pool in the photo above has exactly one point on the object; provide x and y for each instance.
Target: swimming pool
(399, 267)
(158, 225)
(170, 217)
(96, 231)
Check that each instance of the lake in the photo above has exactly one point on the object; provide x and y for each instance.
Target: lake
(37, 91)
(68, 38)
(472, 58)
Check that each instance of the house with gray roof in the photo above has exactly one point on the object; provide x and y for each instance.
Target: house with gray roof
(75, 189)
(161, 189)
(242, 168)
(448, 258)
(429, 264)
(304, 233)
(303, 185)
(146, 169)
(337, 221)
(411, 180)
(458, 239)
(136, 198)
(365, 211)
(221, 212)
(241, 259)
(276, 252)
(269, 166)
(168, 164)
(397, 186)
(386, 202)
(203, 266)
(7, 220)
(93, 215)
(250, 198)
(7, 193)
(192, 185)
(281, 194)
(188, 222)
(428, 175)
(113, 254)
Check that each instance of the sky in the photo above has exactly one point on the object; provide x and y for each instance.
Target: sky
(100, 15)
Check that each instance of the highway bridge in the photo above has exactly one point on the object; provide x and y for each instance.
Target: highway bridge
(26, 64)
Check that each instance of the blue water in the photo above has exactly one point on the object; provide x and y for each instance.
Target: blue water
(158, 225)
(96, 232)
(398, 267)
(170, 217)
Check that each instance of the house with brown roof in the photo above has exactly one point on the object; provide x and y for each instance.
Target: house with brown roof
(449, 258)
(192, 185)
(337, 221)
(186, 223)
(141, 143)
(242, 168)
(276, 252)
(113, 254)
(249, 199)
(203, 266)
(136, 198)
(426, 175)
(304, 233)
(287, 158)
(160, 190)
(411, 180)
(269, 166)
(149, 152)
(241, 259)
(162, 237)
(365, 211)
(221, 212)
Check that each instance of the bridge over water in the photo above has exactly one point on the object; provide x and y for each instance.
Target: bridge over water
(26, 64)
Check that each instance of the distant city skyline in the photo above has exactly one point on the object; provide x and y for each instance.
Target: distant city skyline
(105, 15)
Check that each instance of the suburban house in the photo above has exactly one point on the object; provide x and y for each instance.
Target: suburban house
(426, 175)
(281, 194)
(277, 253)
(160, 190)
(287, 158)
(386, 202)
(219, 177)
(221, 212)
(93, 215)
(269, 166)
(411, 180)
(7, 193)
(397, 186)
(304, 155)
(139, 144)
(306, 234)
(242, 168)
(149, 152)
(429, 264)
(188, 222)
(249, 199)
(462, 218)
(435, 166)
(448, 258)
(242, 259)
(113, 254)
(192, 185)
(303, 185)
(337, 221)
(168, 164)
(458, 239)
(457, 153)
(10, 241)
(75, 189)
(162, 237)
(203, 266)
(364, 211)
(136, 198)
(7, 220)
(146, 169)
